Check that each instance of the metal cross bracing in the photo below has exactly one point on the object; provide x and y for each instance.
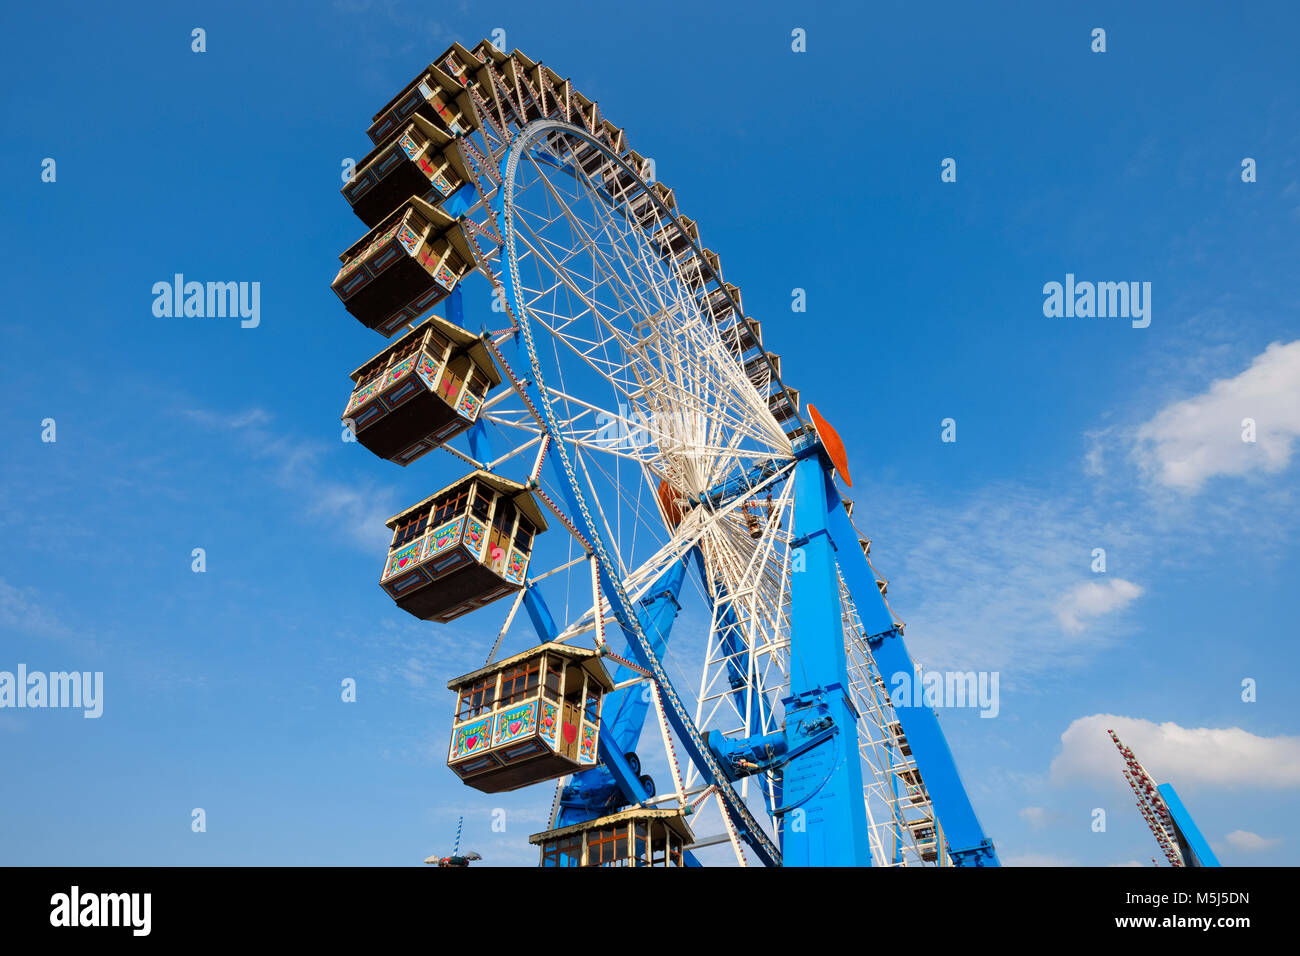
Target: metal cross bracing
(660, 433)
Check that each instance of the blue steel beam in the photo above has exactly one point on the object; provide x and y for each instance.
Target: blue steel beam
(824, 782)
(540, 614)
(480, 441)
(461, 202)
(657, 612)
(967, 842)
(748, 828)
(454, 309)
(1192, 843)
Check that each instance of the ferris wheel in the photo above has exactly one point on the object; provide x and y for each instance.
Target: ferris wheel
(705, 554)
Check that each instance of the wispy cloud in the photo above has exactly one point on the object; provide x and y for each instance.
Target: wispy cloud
(359, 509)
(230, 421)
(1094, 459)
(20, 611)
(979, 579)
(1226, 757)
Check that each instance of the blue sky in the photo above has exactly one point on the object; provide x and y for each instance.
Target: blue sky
(816, 170)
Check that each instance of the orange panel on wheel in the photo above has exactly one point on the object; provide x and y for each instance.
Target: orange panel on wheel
(832, 443)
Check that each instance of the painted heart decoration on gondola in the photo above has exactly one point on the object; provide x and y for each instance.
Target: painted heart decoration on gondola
(515, 725)
(570, 733)
(470, 741)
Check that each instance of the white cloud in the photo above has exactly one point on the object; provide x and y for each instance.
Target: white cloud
(1226, 757)
(1195, 439)
(1248, 842)
(1091, 599)
(1128, 863)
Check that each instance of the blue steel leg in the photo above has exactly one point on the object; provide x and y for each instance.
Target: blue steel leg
(454, 310)
(824, 810)
(480, 443)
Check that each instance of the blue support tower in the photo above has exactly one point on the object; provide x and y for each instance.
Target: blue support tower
(825, 822)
